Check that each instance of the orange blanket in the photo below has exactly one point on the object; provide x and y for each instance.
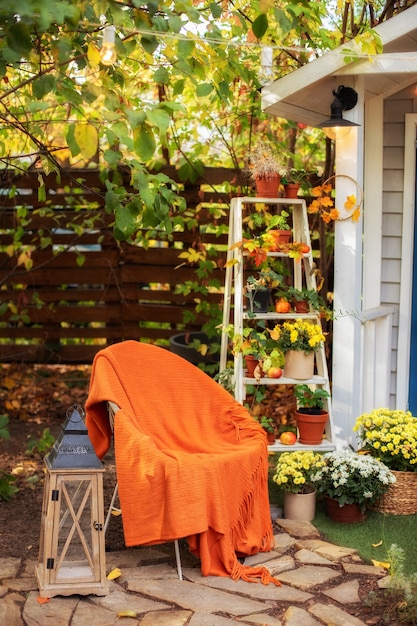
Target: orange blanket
(191, 462)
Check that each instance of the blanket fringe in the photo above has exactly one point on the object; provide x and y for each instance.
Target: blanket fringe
(253, 574)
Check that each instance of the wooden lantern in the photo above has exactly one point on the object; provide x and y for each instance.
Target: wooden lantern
(72, 551)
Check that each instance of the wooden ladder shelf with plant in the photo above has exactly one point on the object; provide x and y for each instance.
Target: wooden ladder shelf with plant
(237, 319)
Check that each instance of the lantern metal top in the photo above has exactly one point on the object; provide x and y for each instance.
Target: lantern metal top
(73, 448)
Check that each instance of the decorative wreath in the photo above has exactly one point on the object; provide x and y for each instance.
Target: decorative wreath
(323, 202)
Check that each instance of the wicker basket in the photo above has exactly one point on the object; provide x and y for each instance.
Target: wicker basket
(401, 497)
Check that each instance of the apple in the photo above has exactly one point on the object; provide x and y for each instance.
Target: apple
(274, 372)
(288, 438)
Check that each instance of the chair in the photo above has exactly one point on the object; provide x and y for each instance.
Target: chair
(190, 460)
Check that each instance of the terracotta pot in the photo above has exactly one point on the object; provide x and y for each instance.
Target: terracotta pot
(301, 306)
(300, 506)
(346, 514)
(251, 364)
(311, 427)
(280, 237)
(270, 436)
(268, 187)
(291, 190)
(299, 365)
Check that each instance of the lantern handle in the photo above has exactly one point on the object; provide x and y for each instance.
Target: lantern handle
(76, 407)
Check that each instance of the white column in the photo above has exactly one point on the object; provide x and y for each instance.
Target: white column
(347, 283)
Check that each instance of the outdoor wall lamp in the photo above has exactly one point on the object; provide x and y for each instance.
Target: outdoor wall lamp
(345, 98)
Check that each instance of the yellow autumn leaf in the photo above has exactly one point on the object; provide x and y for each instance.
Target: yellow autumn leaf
(86, 137)
(376, 545)
(351, 202)
(383, 564)
(93, 54)
(127, 614)
(115, 573)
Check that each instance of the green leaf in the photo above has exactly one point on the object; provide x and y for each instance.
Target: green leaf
(144, 142)
(42, 86)
(161, 76)
(41, 189)
(204, 89)
(149, 43)
(4, 431)
(72, 144)
(158, 118)
(126, 217)
(185, 48)
(19, 38)
(216, 9)
(260, 25)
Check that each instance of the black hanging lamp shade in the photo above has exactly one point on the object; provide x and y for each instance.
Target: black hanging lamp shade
(345, 98)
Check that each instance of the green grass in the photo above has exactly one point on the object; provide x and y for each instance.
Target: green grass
(390, 529)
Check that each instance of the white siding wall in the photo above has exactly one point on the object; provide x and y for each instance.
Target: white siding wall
(395, 109)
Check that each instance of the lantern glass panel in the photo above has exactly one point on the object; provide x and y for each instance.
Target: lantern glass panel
(75, 557)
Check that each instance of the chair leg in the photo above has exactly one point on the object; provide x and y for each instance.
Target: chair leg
(178, 559)
(176, 544)
(113, 498)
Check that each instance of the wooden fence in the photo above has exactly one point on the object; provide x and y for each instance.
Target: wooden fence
(60, 311)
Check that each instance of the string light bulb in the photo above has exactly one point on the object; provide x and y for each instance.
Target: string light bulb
(108, 54)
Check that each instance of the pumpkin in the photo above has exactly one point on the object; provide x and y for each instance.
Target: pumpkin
(282, 306)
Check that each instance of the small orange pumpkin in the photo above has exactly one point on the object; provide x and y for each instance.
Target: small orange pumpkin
(282, 306)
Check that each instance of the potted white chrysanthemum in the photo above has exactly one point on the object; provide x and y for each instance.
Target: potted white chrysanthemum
(351, 483)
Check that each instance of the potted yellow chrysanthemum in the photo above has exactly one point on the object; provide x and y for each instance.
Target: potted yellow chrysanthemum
(298, 339)
(293, 473)
(391, 436)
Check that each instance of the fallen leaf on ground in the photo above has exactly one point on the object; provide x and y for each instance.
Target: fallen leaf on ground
(115, 573)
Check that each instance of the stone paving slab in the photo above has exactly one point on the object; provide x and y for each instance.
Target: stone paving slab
(309, 576)
(9, 567)
(166, 618)
(10, 613)
(294, 616)
(326, 549)
(307, 557)
(363, 569)
(283, 542)
(331, 614)
(56, 612)
(195, 597)
(254, 590)
(345, 593)
(119, 600)
(298, 529)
